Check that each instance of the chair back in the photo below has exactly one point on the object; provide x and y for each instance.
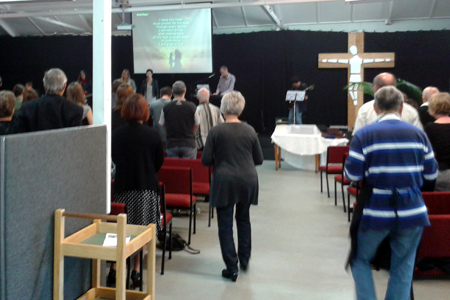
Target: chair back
(177, 180)
(199, 154)
(200, 172)
(335, 154)
(118, 208)
(438, 203)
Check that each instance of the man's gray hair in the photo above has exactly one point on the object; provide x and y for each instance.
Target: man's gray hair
(203, 95)
(388, 98)
(233, 103)
(178, 88)
(54, 81)
(429, 91)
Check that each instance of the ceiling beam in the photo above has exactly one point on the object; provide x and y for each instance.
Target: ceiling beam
(389, 13)
(7, 28)
(88, 11)
(65, 28)
(85, 21)
(271, 14)
(433, 8)
(244, 15)
(35, 25)
(60, 23)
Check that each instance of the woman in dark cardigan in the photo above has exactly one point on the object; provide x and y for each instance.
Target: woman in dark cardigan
(138, 154)
(234, 151)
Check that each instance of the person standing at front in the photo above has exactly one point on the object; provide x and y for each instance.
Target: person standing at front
(181, 120)
(393, 159)
(233, 149)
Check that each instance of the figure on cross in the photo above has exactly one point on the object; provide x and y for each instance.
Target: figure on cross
(355, 69)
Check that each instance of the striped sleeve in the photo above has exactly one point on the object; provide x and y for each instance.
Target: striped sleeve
(354, 166)
(430, 165)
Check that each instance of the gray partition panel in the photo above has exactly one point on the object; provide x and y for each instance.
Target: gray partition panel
(45, 171)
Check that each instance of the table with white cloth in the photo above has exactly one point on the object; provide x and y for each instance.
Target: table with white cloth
(302, 146)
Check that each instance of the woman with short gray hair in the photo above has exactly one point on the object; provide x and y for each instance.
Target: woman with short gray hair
(233, 149)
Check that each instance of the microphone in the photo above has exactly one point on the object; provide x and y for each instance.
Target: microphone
(212, 75)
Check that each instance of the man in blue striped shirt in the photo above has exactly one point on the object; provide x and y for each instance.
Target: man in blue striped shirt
(394, 159)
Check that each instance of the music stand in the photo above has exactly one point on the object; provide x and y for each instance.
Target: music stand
(295, 96)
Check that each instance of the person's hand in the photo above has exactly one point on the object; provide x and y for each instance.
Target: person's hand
(214, 94)
(306, 98)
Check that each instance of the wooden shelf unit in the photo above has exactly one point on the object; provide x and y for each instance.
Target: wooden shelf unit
(80, 245)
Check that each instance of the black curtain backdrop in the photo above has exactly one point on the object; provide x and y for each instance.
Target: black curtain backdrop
(263, 63)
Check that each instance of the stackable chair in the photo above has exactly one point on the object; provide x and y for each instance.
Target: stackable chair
(352, 190)
(166, 221)
(343, 181)
(334, 164)
(201, 177)
(179, 193)
(435, 241)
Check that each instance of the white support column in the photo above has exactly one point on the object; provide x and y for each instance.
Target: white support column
(101, 81)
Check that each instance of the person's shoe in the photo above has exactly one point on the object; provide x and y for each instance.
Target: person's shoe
(230, 274)
(244, 267)
(136, 279)
(111, 279)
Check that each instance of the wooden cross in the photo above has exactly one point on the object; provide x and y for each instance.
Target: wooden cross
(356, 61)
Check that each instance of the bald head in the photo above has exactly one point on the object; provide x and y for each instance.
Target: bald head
(428, 92)
(203, 95)
(383, 79)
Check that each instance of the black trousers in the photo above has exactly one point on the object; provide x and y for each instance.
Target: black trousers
(225, 224)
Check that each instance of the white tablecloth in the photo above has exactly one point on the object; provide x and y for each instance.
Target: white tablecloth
(301, 143)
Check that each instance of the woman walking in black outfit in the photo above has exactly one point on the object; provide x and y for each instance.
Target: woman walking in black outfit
(234, 151)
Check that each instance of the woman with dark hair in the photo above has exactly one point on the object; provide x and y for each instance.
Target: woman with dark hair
(29, 95)
(233, 149)
(122, 93)
(75, 94)
(82, 80)
(138, 154)
(8, 124)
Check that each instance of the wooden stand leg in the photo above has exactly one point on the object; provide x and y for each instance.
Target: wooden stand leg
(96, 266)
(58, 263)
(151, 247)
(121, 265)
(277, 157)
(275, 147)
(317, 162)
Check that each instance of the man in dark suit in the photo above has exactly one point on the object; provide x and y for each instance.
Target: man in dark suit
(51, 111)
(424, 116)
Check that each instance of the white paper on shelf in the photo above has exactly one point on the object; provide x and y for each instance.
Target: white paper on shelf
(111, 240)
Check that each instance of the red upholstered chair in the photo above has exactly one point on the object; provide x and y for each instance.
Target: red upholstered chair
(179, 194)
(354, 191)
(334, 164)
(342, 180)
(166, 221)
(201, 176)
(435, 239)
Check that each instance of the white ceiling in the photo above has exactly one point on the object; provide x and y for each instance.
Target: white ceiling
(61, 17)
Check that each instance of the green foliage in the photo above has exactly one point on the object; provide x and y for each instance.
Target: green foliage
(366, 87)
(410, 89)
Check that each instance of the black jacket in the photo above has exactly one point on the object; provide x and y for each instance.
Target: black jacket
(49, 112)
(154, 87)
